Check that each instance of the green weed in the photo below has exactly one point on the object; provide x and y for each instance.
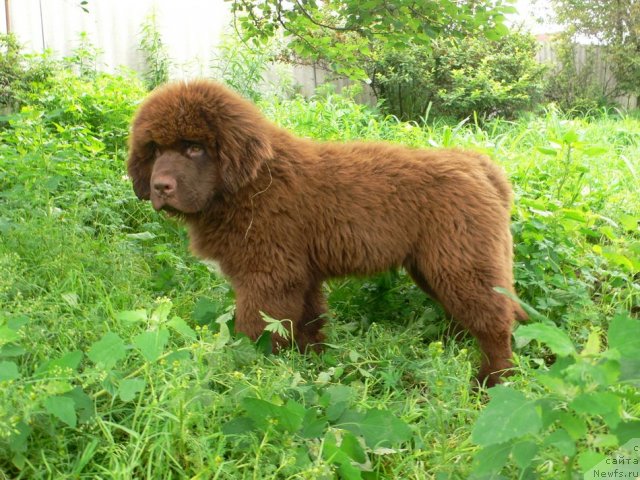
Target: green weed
(117, 357)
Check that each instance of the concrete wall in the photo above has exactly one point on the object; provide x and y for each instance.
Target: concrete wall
(191, 29)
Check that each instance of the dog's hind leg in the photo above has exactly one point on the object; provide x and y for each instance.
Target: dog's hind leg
(465, 289)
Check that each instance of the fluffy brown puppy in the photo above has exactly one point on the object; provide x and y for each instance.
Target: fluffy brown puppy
(281, 214)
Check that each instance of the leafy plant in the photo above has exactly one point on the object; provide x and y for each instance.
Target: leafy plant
(585, 405)
(156, 57)
(102, 375)
(613, 27)
(85, 57)
(460, 77)
(19, 72)
(322, 420)
(574, 86)
(243, 68)
(346, 34)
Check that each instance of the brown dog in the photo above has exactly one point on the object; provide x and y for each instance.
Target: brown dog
(281, 214)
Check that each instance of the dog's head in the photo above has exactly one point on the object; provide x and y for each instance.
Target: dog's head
(193, 141)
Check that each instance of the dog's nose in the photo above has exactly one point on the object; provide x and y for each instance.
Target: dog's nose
(164, 186)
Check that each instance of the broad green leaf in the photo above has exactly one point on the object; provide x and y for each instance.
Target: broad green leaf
(8, 351)
(8, 371)
(244, 352)
(18, 440)
(570, 137)
(593, 344)
(16, 323)
(303, 461)
(575, 215)
(605, 440)
(336, 410)
(224, 335)
(312, 425)
(107, 351)
(63, 408)
(351, 446)
(332, 453)
(594, 150)
(575, 426)
(238, 426)
(629, 222)
(627, 430)
(589, 459)
(129, 388)
(380, 428)
(523, 453)
(56, 387)
(337, 393)
(562, 441)
(617, 258)
(295, 413)
(8, 335)
(152, 344)
(69, 360)
(547, 151)
(554, 338)
(508, 415)
(205, 311)
(161, 313)
(180, 326)
(287, 417)
(606, 404)
(490, 460)
(624, 333)
(85, 406)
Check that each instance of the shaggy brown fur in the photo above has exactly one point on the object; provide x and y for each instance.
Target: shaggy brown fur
(281, 214)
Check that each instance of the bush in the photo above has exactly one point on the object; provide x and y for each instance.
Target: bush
(456, 78)
(20, 72)
(101, 106)
(156, 56)
(69, 99)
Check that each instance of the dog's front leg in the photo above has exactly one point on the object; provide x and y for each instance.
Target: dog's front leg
(281, 302)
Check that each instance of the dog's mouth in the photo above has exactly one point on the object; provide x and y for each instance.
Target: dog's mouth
(171, 211)
(160, 203)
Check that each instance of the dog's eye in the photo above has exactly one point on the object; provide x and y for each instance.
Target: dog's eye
(194, 149)
(154, 149)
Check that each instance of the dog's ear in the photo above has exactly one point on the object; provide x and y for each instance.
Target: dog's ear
(242, 143)
(139, 167)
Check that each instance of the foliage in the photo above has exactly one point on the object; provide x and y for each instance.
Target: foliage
(116, 353)
(459, 77)
(241, 68)
(84, 59)
(578, 87)
(345, 34)
(584, 405)
(155, 53)
(18, 72)
(612, 25)
(93, 114)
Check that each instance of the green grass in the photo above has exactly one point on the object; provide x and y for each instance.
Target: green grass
(175, 396)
